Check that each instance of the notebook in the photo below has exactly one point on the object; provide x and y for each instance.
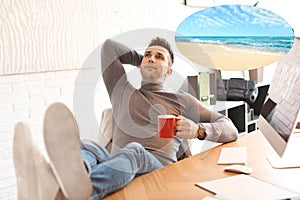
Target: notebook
(233, 155)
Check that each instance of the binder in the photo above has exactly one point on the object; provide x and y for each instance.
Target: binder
(203, 87)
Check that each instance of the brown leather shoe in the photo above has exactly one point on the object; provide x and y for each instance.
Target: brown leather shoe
(35, 178)
(62, 141)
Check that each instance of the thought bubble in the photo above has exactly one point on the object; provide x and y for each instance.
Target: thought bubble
(234, 37)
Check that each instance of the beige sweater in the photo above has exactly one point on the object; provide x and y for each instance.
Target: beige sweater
(135, 110)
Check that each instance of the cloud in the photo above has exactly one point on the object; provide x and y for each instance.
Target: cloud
(227, 19)
(263, 17)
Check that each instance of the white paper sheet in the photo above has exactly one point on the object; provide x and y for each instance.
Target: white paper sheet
(247, 188)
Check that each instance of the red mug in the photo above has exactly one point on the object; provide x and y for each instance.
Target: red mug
(167, 126)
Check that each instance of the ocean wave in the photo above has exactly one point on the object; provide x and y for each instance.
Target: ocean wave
(269, 43)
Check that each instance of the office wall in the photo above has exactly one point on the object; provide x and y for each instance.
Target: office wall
(45, 35)
(43, 46)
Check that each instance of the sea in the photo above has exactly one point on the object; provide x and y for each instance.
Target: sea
(265, 43)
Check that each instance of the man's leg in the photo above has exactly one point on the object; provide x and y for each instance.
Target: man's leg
(35, 178)
(119, 170)
(61, 136)
(92, 153)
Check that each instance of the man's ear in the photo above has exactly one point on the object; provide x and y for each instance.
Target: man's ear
(169, 72)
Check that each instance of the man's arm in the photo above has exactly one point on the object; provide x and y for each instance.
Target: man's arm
(219, 129)
(222, 130)
(200, 119)
(113, 55)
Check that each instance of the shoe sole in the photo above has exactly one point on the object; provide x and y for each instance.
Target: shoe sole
(35, 179)
(62, 141)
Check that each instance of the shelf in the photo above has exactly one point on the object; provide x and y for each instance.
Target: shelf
(253, 120)
(237, 110)
(225, 105)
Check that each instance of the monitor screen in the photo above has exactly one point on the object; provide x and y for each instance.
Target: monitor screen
(279, 122)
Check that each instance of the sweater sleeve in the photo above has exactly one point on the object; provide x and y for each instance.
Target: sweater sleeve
(113, 55)
(219, 128)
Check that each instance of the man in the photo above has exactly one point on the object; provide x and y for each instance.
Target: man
(84, 168)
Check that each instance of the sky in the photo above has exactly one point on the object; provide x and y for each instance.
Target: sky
(234, 20)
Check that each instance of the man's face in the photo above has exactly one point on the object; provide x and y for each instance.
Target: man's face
(156, 64)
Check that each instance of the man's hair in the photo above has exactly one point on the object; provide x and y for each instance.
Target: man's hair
(157, 41)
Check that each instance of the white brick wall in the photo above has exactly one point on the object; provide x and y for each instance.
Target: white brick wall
(25, 97)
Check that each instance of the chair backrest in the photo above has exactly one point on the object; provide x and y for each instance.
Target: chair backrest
(105, 134)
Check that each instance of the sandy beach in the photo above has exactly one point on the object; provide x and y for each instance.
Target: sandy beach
(227, 58)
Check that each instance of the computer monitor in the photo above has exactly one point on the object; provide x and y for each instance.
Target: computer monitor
(280, 113)
(286, 144)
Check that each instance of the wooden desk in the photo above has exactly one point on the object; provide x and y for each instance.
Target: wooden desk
(177, 181)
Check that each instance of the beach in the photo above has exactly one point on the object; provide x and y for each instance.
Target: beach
(225, 57)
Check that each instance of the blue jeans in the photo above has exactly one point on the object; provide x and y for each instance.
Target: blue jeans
(111, 173)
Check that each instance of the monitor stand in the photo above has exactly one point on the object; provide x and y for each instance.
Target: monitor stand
(282, 163)
(290, 158)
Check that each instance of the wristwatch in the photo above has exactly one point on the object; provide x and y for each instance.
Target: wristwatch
(201, 132)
